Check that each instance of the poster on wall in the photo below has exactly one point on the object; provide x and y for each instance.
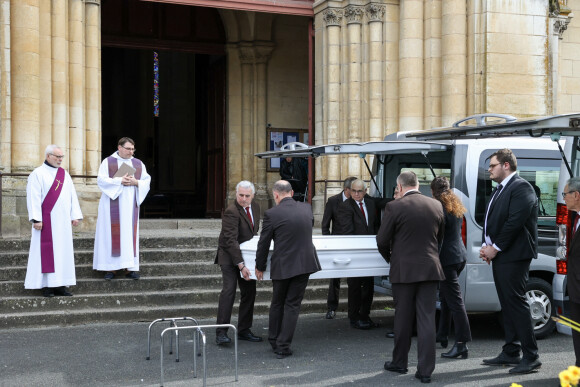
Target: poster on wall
(279, 137)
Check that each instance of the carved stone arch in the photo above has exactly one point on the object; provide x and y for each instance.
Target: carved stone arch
(230, 23)
(264, 26)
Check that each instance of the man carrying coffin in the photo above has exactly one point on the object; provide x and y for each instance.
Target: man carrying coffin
(53, 207)
(125, 183)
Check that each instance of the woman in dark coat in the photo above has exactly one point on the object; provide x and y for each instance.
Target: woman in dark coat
(453, 257)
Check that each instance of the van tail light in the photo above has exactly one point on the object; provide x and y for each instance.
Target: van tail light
(464, 231)
(564, 223)
(561, 266)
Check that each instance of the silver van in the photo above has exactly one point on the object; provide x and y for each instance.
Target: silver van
(460, 153)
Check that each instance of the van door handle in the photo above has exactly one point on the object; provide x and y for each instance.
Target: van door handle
(341, 261)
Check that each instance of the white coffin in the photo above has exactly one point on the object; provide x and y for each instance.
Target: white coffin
(340, 256)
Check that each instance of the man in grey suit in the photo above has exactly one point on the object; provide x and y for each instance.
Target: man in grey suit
(294, 258)
(510, 241)
(409, 239)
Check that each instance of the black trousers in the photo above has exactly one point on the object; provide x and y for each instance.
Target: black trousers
(287, 297)
(575, 315)
(231, 278)
(452, 307)
(360, 297)
(510, 280)
(415, 301)
(333, 293)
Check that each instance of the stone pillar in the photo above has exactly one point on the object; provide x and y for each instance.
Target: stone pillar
(354, 15)
(391, 69)
(25, 87)
(375, 15)
(411, 65)
(263, 51)
(235, 101)
(59, 73)
(93, 85)
(76, 87)
(454, 60)
(432, 63)
(247, 139)
(45, 79)
(5, 93)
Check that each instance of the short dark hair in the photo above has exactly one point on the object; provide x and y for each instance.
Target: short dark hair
(282, 186)
(506, 156)
(348, 181)
(123, 140)
(408, 179)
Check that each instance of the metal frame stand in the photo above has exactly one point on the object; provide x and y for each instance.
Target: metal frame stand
(172, 323)
(198, 332)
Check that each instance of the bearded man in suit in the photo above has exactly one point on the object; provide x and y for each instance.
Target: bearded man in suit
(409, 239)
(289, 225)
(240, 222)
(510, 242)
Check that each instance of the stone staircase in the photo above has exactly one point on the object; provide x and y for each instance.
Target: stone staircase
(178, 278)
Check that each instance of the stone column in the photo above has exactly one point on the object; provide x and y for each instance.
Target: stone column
(354, 15)
(76, 87)
(411, 65)
(45, 79)
(5, 93)
(375, 15)
(247, 139)
(263, 50)
(454, 61)
(25, 87)
(92, 78)
(432, 63)
(235, 135)
(391, 68)
(59, 73)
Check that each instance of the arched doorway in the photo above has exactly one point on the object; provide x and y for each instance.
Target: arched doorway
(163, 84)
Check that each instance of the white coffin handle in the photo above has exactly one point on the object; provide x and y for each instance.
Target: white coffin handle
(341, 261)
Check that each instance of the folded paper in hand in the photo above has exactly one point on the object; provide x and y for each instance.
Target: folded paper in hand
(125, 169)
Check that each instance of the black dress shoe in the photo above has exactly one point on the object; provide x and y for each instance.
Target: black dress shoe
(283, 354)
(526, 366)
(444, 342)
(222, 339)
(393, 368)
(61, 291)
(360, 324)
(330, 314)
(459, 349)
(390, 335)
(248, 336)
(503, 359)
(424, 379)
(48, 292)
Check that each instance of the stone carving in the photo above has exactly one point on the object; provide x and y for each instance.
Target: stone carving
(375, 12)
(561, 24)
(354, 14)
(333, 17)
(254, 54)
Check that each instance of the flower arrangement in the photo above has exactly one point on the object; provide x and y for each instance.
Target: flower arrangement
(569, 377)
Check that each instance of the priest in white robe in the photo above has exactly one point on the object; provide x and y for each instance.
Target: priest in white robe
(53, 208)
(125, 183)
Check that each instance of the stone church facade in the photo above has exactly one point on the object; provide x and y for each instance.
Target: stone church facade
(341, 70)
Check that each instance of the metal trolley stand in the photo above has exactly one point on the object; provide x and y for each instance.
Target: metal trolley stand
(172, 323)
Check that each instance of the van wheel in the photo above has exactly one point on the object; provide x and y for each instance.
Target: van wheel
(539, 297)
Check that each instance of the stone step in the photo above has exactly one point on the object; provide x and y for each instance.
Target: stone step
(148, 255)
(18, 273)
(147, 314)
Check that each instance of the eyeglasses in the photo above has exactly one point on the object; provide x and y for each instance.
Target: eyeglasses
(58, 157)
(357, 191)
(492, 166)
(129, 149)
(566, 193)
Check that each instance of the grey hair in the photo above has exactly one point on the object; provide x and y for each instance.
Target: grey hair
(348, 181)
(246, 184)
(282, 186)
(574, 184)
(358, 182)
(49, 149)
(408, 179)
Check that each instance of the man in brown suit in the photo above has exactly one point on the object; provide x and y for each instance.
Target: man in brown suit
(572, 198)
(409, 239)
(294, 258)
(240, 223)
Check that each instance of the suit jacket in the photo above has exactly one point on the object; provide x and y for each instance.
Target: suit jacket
(351, 220)
(331, 214)
(409, 238)
(452, 250)
(574, 265)
(289, 224)
(512, 222)
(236, 229)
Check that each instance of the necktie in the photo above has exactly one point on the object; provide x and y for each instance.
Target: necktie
(249, 216)
(362, 209)
(497, 190)
(577, 222)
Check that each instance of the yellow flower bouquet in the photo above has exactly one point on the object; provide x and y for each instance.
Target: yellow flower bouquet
(570, 377)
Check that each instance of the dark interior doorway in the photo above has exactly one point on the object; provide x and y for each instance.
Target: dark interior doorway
(180, 137)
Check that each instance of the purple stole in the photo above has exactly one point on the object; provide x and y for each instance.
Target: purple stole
(114, 207)
(46, 248)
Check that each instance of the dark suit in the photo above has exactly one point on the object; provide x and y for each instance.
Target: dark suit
(409, 238)
(351, 221)
(512, 219)
(574, 286)
(453, 257)
(294, 258)
(236, 229)
(328, 226)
